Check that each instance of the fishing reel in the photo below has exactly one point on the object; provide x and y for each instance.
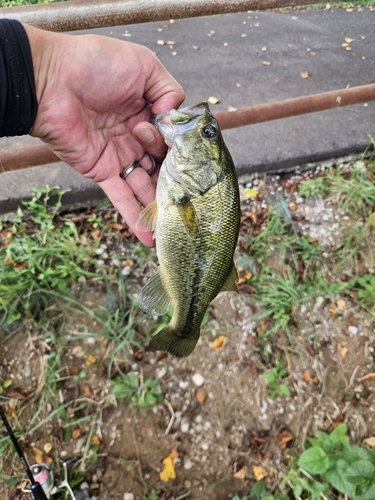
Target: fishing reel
(43, 474)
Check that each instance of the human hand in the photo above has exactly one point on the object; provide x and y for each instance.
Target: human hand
(96, 96)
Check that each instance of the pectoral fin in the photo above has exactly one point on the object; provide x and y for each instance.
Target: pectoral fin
(147, 218)
(189, 216)
(230, 283)
(153, 298)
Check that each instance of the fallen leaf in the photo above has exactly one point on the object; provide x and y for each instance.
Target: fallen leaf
(201, 395)
(19, 267)
(168, 472)
(118, 227)
(96, 234)
(241, 474)
(95, 440)
(349, 10)
(342, 351)
(238, 85)
(171, 21)
(196, 47)
(348, 48)
(264, 49)
(160, 42)
(250, 193)
(313, 53)
(370, 441)
(292, 206)
(41, 457)
(305, 74)
(344, 45)
(170, 42)
(266, 63)
(213, 100)
(284, 439)
(90, 360)
(307, 376)
(294, 18)
(348, 40)
(88, 392)
(332, 309)
(76, 433)
(47, 447)
(8, 261)
(218, 343)
(243, 35)
(341, 304)
(259, 472)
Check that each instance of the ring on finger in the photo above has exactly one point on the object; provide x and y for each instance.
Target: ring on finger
(129, 170)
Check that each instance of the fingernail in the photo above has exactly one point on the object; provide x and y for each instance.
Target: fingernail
(145, 134)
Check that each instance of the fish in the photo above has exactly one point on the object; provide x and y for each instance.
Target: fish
(195, 218)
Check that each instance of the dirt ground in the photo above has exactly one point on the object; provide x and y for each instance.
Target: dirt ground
(217, 411)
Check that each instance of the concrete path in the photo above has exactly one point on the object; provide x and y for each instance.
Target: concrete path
(245, 59)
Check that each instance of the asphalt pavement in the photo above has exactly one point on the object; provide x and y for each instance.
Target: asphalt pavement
(246, 59)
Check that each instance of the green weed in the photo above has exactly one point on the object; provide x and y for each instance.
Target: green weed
(140, 392)
(275, 378)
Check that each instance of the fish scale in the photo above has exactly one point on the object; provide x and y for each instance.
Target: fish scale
(196, 231)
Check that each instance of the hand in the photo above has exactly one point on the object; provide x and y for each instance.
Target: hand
(96, 96)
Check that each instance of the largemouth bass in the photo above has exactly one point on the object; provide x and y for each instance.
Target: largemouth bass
(195, 219)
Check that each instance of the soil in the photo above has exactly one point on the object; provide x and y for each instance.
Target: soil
(217, 410)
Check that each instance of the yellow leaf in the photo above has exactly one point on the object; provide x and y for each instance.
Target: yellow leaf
(266, 63)
(348, 40)
(342, 351)
(168, 472)
(259, 472)
(264, 49)
(38, 454)
(95, 440)
(305, 74)
(344, 45)
(250, 193)
(161, 42)
(213, 100)
(90, 360)
(348, 48)
(76, 433)
(218, 344)
(370, 441)
(201, 395)
(241, 474)
(47, 447)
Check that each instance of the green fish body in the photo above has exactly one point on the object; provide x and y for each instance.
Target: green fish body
(196, 219)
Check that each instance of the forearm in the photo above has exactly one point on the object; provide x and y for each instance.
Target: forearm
(18, 100)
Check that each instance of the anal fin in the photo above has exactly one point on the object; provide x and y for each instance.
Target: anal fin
(230, 283)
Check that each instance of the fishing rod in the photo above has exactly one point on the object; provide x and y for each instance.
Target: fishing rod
(41, 475)
(36, 488)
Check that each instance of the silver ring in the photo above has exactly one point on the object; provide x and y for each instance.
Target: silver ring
(153, 166)
(129, 170)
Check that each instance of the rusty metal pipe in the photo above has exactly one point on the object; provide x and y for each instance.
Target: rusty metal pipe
(88, 14)
(39, 155)
(294, 107)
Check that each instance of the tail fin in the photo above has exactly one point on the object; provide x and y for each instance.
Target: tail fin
(169, 341)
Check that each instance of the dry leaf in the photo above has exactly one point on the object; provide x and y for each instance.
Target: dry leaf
(284, 439)
(96, 234)
(341, 304)
(344, 45)
(238, 85)
(213, 100)
(370, 441)
(264, 49)
(348, 40)
(160, 42)
(307, 376)
(118, 227)
(90, 360)
(218, 343)
(19, 267)
(342, 351)
(196, 47)
(76, 433)
(174, 53)
(266, 63)
(294, 18)
(38, 454)
(168, 472)
(292, 206)
(170, 42)
(305, 74)
(349, 10)
(332, 309)
(47, 447)
(259, 472)
(348, 48)
(241, 474)
(95, 440)
(313, 53)
(243, 35)
(8, 261)
(88, 392)
(201, 395)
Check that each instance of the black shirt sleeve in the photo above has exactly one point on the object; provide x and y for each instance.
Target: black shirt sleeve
(18, 101)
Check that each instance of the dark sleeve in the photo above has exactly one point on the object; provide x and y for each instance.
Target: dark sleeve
(18, 102)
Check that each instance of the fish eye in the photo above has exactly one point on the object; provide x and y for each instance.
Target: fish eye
(209, 132)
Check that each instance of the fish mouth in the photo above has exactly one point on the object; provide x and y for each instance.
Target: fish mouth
(179, 121)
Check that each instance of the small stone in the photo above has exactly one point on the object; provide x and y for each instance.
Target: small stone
(126, 271)
(84, 486)
(63, 453)
(184, 384)
(128, 496)
(188, 464)
(184, 427)
(353, 330)
(198, 379)
(78, 351)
